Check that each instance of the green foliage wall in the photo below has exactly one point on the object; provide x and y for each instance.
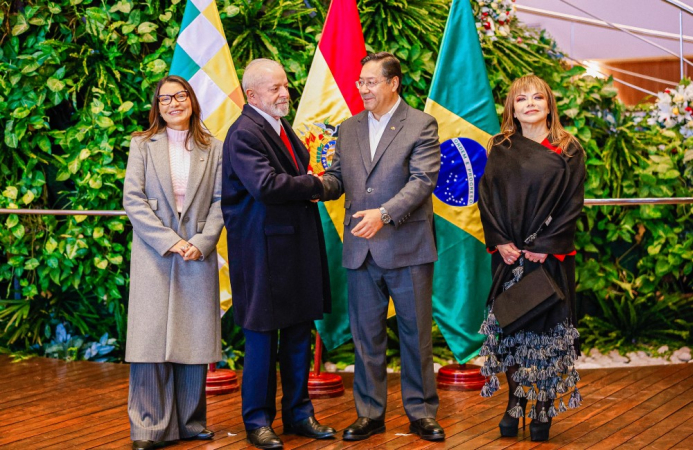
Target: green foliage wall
(634, 263)
(75, 82)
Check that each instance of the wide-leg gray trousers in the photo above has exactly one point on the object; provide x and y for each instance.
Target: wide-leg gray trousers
(167, 401)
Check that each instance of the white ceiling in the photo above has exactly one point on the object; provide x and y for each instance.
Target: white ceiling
(584, 42)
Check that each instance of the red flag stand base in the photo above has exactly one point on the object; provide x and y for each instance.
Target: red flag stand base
(221, 381)
(323, 385)
(460, 377)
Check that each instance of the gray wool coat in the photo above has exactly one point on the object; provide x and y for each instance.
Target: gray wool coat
(173, 312)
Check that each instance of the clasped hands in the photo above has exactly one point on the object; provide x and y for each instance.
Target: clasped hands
(185, 249)
(371, 221)
(510, 254)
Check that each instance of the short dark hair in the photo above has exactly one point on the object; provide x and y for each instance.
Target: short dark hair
(390, 66)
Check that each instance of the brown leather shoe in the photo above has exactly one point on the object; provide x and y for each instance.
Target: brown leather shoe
(363, 428)
(427, 429)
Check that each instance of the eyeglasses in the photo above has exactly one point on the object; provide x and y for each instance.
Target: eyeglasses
(370, 84)
(180, 97)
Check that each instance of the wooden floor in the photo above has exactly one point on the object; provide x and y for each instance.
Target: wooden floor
(51, 404)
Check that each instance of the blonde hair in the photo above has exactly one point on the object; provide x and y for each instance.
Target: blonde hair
(558, 136)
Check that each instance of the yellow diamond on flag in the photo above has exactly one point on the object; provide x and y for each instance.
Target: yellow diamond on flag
(202, 57)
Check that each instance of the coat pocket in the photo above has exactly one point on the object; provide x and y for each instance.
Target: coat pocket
(201, 226)
(153, 203)
(277, 230)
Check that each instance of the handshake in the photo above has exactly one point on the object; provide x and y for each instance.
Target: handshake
(310, 172)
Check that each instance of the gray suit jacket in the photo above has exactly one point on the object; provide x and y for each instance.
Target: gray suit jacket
(401, 178)
(173, 311)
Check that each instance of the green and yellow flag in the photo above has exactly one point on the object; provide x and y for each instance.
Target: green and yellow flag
(462, 102)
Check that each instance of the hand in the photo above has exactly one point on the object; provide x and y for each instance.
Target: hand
(192, 253)
(369, 225)
(535, 257)
(319, 177)
(180, 247)
(509, 252)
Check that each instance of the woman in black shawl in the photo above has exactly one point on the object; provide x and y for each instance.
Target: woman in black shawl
(530, 198)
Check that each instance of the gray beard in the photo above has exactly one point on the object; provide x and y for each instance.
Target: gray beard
(275, 110)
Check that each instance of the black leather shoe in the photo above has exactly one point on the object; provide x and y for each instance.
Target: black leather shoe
(203, 435)
(427, 429)
(310, 428)
(264, 437)
(363, 428)
(143, 445)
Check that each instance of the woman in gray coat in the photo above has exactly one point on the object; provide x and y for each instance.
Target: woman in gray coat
(172, 198)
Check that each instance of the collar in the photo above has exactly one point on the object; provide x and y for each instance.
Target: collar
(386, 117)
(276, 124)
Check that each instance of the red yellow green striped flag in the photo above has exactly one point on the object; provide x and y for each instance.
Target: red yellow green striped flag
(329, 98)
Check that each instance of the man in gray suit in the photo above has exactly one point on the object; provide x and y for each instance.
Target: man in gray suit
(386, 161)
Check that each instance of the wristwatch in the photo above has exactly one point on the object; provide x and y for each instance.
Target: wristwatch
(384, 216)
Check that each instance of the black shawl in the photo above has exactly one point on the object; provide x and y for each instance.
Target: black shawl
(524, 183)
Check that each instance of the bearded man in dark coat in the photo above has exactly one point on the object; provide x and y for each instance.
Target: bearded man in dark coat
(277, 257)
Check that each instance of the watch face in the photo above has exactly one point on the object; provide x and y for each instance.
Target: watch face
(385, 218)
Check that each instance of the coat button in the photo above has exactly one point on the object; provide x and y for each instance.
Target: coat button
(185, 220)
(369, 190)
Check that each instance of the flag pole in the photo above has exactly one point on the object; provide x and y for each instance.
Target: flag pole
(323, 385)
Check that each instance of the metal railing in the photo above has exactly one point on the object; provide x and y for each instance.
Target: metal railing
(588, 202)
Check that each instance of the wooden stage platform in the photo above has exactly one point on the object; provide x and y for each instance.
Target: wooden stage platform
(49, 404)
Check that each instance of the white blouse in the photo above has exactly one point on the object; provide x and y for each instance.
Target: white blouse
(179, 159)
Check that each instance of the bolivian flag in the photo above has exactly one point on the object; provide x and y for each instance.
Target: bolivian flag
(461, 101)
(329, 98)
(202, 57)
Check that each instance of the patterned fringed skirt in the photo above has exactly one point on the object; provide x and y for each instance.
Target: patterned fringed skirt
(546, 369)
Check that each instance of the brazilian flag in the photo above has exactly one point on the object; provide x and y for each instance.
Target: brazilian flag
(461, 101)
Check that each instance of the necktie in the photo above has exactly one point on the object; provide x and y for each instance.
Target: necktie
(287, 144)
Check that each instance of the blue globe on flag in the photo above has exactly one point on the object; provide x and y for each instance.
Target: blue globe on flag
(462, 163)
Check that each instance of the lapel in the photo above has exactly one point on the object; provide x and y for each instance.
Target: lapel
(158, 149)
(393, 128)
(279, 147)
(364, 140)
(198, 164)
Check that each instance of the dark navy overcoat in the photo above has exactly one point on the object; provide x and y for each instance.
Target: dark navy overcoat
(276, 247)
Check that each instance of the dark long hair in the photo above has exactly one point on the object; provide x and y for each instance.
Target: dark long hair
(196, 131)
(558, 136)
